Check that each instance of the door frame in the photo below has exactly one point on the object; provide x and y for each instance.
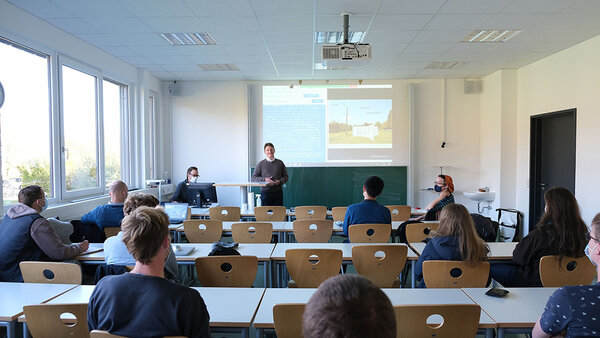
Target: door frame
(535, 156)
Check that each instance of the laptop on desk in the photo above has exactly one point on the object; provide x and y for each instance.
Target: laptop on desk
(177, 212)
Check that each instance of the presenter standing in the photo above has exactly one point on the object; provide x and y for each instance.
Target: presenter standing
(272, 171)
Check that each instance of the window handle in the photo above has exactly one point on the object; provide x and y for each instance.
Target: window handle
(66, 151)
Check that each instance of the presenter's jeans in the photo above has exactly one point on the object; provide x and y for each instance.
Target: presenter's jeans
(271, 198)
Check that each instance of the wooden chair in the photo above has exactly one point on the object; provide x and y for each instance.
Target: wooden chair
(417, 232)
(43, 320)
(455, 274)
(309, 268)
(111, 231)
(203, 230)
(270, 214)
(569, 271)
(383, 270)
(225, 214)
(252, 232)
(459, 320)
(338, 213)
(227, 271)
(288, 320)
(311, 212)
(313, 231)
(369, 233)
(399, 212)
(51, 272)
(188, 215)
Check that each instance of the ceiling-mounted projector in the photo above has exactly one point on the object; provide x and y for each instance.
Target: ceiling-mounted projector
(346, 51)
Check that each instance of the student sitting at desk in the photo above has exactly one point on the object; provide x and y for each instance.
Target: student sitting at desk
(115, 251)
(143, 303)
(445, 186)
(368, 211)
(455, 240)
(109, 215)
(560, 231)
(575, 309)
(181, 192)
(25, 235)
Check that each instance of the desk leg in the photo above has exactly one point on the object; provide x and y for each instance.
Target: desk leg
(259, 333)
(412, 274)
(245, 332)
(26, 333)
(11, 328)
(500, 332)
(489, 333)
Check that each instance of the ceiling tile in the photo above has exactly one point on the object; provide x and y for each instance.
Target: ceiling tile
(354, 7)
(150, 67)
(119, 51)
(157, 8)
(419, 48)
(219, 8)
(74, 25)
(440, 36)
(101, 40)
(390, 37)
(119, 25)
(280, 38)
(285, 23)
(400, 22)
(260, 75)
(473, 6)
(293, 49)
(246, 50)
(583, 6)
(231, 24)
(335, 23)
(233, 75)
(242, 58)
(410, 6)
(293, 58)
(513, 21)
(165, 76)
(95, 9)
(255, 67)
(42, 9)
(537, 6)
(175, 25)
(282, 7)
(238, 38)
(457, 21)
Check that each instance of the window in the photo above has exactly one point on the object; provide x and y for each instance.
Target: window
(25, 120)
(68, 134)
(152, 134)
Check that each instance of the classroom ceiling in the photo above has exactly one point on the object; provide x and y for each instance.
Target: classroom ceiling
(275, 39)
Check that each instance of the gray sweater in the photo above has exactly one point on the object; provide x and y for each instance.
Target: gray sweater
(276, 170)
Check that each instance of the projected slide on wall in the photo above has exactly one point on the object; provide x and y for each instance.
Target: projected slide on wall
(328, 124)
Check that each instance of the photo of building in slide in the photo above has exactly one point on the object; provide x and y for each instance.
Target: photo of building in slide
(360, 122)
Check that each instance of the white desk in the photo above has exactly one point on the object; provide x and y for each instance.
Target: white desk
(264, 316)
(231, 307)
(499, 251)
(521, 308)
(277, 229)
(243, 188)
(14, 296)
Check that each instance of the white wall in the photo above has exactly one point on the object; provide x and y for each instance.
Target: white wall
(210, 131)
(569, 79)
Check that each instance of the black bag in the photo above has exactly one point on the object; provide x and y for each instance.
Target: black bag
(486, 228)
(509, 225)
(224, 249)
(401, 232)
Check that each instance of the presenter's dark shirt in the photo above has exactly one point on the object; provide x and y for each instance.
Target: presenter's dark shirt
(365, 212)
(181, 194)
(275, 169)
(135, 305)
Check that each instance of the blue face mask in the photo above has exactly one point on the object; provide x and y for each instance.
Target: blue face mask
(437, 188)
(587, 253)
(45, 204)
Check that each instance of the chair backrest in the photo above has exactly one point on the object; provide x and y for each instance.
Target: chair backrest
(417, 232)
(311, 212)
(103, 334)
(380, 263)
(188, 214)
(338, 213)
(458, 320)
(252, 232)
(569, 271)
(313, 231)
(111, 231)
(50, 272)
(399, 212)
(270, 214)
(227, 271)
(369, 233)
(225, 214)
(43, 320)
(288, 320)
(455, 274)
(311, 267)
(203, 230)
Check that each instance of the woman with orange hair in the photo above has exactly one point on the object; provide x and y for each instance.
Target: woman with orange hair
(445, 186)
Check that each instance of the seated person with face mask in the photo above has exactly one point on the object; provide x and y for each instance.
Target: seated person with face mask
(181, 192)
(574, 309)
(445, 186)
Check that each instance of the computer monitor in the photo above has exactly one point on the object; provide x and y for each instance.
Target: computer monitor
(201, 194)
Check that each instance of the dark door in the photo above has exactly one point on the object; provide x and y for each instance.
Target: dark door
(552, 157)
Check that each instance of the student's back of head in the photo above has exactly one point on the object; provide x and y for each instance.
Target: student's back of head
(374, 186)
(134, 201)
(144, 231)
(455, 220)
(349, 306)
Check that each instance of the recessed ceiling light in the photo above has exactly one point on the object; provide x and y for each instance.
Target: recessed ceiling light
(218, 67)
(338, 37)
(188, 39)
(491, 35)
(445, 65)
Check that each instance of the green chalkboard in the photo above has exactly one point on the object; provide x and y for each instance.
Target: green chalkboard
(340, 186)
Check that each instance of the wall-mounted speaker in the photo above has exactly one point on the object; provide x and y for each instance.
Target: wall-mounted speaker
(473, 86)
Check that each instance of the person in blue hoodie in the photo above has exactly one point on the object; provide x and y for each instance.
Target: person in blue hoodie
(455, 240)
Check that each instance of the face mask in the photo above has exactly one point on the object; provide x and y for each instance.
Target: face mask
(437, 188)
(45, 204)
(193, 179)
(587, 253)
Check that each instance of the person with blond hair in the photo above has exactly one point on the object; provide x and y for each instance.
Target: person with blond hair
(143, 303)
(575, 309)
(455, 240)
